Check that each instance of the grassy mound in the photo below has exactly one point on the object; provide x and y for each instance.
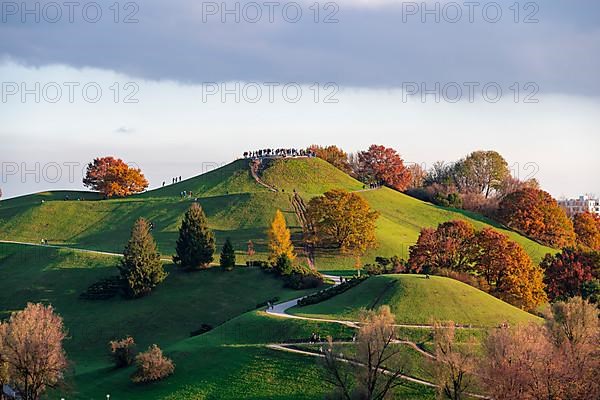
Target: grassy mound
(416, 300)
(236, 206)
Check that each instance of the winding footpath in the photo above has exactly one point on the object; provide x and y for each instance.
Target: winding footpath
(63, 247)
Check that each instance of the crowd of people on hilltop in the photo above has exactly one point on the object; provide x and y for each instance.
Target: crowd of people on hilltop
(279, 153)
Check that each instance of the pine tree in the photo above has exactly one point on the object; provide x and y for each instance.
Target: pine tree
(141, 267)
(280, 242)
(227, 260)
(196, 242)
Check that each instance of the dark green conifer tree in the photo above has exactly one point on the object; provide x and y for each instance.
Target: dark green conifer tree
(227, 256)
(141, 267)
(196, 242)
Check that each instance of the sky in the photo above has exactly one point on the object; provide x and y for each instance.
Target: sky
(181, 87)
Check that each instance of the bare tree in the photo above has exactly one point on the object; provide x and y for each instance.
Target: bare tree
(379, 363)
(31, 347)
(558, 361)
(453, 366)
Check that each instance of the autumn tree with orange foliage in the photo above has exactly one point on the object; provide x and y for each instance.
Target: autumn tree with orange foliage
(113, 177)
(31, 348)
(535, 213)
(587, 230)
(508, 269)
(280, 242)
(383, 165)
(344, 220)
(333, 155)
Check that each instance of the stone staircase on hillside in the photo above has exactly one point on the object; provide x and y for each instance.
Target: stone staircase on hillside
(307, 229)
(255, 169)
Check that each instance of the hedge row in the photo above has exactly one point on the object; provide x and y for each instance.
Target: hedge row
(326, 294)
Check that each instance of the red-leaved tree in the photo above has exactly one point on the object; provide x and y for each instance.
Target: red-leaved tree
(447, 247)
(567, 272)
(384, 165)
(113, 177)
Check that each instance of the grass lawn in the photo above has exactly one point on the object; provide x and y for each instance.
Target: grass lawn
(416, 300)
(182, 303)
(231, 362)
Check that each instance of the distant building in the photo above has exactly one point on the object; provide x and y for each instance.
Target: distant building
(580, 205)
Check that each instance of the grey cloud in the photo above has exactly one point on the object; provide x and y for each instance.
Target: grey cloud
(369, 47)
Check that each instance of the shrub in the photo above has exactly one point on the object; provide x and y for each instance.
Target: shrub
(384, 265)
(284, 266)
(471, 280)
(122, 351)
(453, 200)
(104, 289)
(298, 276)
(299, 281)
(374, 269)
(152, 366)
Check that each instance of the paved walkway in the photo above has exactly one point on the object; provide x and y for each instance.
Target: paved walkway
(280, 310)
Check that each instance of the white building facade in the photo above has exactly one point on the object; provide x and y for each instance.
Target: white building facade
(580, 205)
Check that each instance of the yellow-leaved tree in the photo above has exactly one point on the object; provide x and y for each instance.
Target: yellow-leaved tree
(344, 220)
(280, 242)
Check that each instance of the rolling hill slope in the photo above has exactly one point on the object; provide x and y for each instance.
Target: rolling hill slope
(416, 300)
(237, 206)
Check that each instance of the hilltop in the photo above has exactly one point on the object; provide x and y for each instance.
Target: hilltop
(237, 206)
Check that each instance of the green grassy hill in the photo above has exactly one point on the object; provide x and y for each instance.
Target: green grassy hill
(180, 305)
(416, 300)
(229, 362)
(237, 207)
